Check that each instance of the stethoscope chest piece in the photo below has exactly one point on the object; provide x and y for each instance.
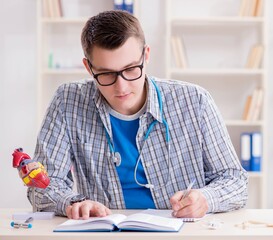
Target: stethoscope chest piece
(117, 159)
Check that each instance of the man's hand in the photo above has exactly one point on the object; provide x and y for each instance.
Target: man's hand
(194, 205)
(86, 209)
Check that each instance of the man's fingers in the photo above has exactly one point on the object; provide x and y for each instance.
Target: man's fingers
(87, 209)
(98, 210)
(75, 211)
(175, 200)
(68, 212)
(178, 202)
(194, 205)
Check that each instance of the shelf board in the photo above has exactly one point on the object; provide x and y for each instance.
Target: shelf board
(64, 71)
(80, 20)
(256, 174)
(236, 20)
(231, 71)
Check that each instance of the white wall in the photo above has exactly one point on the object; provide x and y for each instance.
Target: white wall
(18, 95)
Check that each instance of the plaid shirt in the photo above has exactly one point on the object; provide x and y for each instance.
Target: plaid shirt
(73, 134)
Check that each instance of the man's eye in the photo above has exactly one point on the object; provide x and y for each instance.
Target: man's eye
(108, 74)
(130, 69)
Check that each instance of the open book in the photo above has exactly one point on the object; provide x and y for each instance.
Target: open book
(118, 222)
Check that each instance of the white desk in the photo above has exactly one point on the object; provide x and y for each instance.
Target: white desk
(43, 229)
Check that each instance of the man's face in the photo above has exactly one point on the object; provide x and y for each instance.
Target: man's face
(125, 97)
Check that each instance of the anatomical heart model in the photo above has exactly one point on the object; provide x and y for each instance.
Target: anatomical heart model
(30, 171)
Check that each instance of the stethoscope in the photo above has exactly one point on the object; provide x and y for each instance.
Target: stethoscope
(116, 158)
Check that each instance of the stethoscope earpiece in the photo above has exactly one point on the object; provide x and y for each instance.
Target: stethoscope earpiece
(117, 159)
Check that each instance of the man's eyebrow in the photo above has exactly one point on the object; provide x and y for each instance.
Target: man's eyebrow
(103, 69)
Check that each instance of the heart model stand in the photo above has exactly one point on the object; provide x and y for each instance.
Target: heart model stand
(34, 175)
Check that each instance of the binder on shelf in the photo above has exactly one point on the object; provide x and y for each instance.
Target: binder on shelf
(118, 4)
(246, 151)
(256, 151)
(128, 5)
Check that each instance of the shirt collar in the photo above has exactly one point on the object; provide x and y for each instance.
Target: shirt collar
(153, 102)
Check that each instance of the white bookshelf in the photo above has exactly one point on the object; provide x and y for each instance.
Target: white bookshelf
(216, 43)
(60, 36)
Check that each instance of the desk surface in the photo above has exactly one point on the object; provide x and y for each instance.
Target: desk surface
(43, 229)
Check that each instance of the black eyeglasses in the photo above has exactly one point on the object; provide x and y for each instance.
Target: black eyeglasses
(129, 74)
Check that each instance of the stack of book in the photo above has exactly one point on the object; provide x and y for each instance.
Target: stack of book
(251, 8)
(255, 57)
(253, 105)
(52, 8)
(251, 151)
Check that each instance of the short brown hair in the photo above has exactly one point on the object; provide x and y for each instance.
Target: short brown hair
(110, 30)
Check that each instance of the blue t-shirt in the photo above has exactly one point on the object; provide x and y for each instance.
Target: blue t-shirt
(124, 135)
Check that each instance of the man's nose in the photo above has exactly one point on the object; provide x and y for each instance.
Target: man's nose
(120, 80)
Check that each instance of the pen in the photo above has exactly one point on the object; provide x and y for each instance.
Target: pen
(187, 192)
(25, 224)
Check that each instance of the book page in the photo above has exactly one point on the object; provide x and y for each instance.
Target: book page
(93, 223)
(148, 222)
(168, 214)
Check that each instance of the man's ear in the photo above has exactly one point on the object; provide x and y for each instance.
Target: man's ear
(85, 63)
(147, 54)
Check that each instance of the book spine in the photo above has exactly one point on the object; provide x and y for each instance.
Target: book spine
(118, 4)
(181, 53)
(247, 107)
(128, 5)
(175, 51)
(256, 151)
(246, 151)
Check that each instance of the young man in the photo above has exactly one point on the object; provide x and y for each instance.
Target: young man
(134, 141)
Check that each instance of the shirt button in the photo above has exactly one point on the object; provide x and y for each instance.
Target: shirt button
(148, 164)
(157, 194)
(114, 185)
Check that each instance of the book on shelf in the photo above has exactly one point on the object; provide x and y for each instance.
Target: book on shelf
(259, 8)
(52, 8)
(257, 109)
(141, 221)
(256, 151)
(251, 8)
(255, 57)
(245, 150)
(251, 151)
(179, 52)
(247, 107)
(127, 5)
(253, 105)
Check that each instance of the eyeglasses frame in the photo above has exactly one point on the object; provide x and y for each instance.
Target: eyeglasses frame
(118, 73)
